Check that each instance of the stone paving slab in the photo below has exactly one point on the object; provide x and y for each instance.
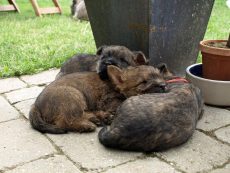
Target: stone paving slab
(41, 78)
(200, 153)
(24, 94)
(7, 112)
(56, 164)
(86, 150)
(27, 150)
(148, 165)
(20, 144)
(24, 107)
(213, 118)
(226, 169)
(223, 134)
(10, 84)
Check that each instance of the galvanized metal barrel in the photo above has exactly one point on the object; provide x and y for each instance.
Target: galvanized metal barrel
(166, 31)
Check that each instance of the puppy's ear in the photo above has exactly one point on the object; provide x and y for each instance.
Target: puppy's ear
(115, 74)
(140, 58)
(162, 67)
(100, 50)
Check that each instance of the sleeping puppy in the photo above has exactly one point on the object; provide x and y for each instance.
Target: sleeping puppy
(119, 56)
(157, 121)
(81, 101)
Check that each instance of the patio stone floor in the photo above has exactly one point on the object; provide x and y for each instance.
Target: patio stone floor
(24, 150)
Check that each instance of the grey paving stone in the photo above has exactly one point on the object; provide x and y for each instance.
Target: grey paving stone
(85, 149)
(10, 84)
(7, 112)
(56, 164)
(41, 78)
(148, 165)
(200, 153)
(223, 134)
(19, 143)
(214, 118)
(24, 106)
(226, 169)
(24, 94)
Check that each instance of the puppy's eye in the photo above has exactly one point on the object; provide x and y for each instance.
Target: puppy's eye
(145, 81)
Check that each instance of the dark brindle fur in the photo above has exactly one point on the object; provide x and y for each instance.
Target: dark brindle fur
(106, 55)
(80, 101)
(158, 121)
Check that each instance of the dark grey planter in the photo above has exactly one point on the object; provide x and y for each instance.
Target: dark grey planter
(166, 31)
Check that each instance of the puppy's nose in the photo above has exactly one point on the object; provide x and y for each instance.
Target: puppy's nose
(162, 86)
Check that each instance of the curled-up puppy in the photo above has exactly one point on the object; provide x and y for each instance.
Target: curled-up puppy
(157, 121)
(80, 101)
(106, 55)
(78, 10)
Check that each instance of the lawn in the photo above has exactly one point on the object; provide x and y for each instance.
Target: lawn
(29, 44)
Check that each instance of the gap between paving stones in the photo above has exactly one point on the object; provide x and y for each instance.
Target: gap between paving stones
(27, 86)
(173, 164)
(4, 98)
(85, 169)
(60, 151)
(23, 94)
(11, 84)
(222, 133)
(219, 166)
(21, 115)
(78, 165)
(23, 163)
(212, 134)
(144, 156)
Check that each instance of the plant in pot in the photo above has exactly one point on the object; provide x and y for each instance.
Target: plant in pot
(213, 75)
(216, 59)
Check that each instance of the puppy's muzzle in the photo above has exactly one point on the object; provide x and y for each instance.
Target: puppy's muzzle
(153, 87)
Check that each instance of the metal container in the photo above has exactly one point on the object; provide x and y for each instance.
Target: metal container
(166, 31)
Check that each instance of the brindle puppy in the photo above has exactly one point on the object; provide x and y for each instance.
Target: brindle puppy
(153, 122)
(80, 101)
(106, 55)
(78, 10)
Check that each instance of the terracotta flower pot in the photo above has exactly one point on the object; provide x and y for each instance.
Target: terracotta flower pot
(216, 60)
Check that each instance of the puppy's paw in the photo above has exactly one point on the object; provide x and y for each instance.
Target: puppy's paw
(105, 117)
(95, 120)
(87, 127)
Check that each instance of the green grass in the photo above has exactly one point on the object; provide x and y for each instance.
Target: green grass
(219, 23)
(29, 44)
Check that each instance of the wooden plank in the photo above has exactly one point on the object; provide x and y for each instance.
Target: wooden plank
(49, 10)
(15, 5)
(56, 3)
(7, 8)
(36, 7)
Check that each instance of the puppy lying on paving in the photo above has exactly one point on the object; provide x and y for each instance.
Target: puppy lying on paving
(158, 121)
(80, 101)
(106, 55)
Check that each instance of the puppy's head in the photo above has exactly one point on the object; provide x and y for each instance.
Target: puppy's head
(136, 80)
(119, 56)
